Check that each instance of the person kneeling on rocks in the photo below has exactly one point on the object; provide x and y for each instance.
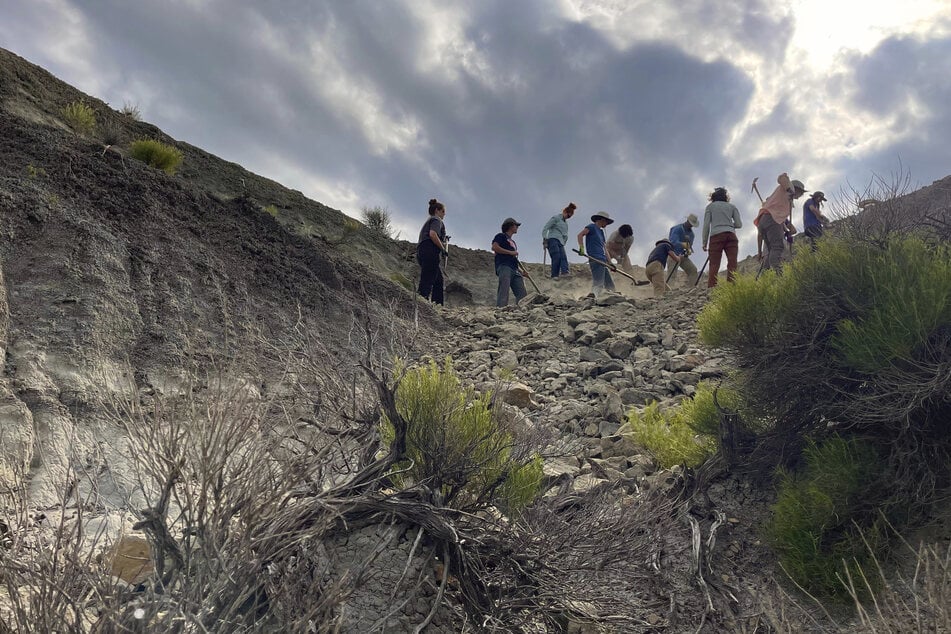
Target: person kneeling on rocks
(506, 264)
(657, 263)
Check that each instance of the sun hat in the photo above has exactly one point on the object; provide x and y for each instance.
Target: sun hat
(602, 214)
(798, 185)
(818, 195)
(692, 219)
(660, 242)
(510, 222)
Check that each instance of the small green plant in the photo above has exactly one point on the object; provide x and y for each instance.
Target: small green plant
(80, 117)
(33, 171)
(826, 525)
(457, 446)
(110, 132)
(157, 154)
(52, 201)
(131, 110)
(271, 209)
(378, 221)
(402, 280)
(670, 436)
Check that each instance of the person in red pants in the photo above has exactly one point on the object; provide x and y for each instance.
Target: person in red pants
(721, 219)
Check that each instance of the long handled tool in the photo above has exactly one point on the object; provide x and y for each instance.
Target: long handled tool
(759, 236)
(672, 271)
(614, 269)
(702, 269)
(525, 273)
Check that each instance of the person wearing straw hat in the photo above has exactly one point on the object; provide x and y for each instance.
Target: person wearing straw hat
(591, 242)
(681, 237)
(506, 263)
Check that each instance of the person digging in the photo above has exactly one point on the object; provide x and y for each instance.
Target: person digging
(657, 263)
(681, 238)
(506, 264)
(591, 242)
(771, 221)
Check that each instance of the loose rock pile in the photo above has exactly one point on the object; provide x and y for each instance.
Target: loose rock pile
(576, 366)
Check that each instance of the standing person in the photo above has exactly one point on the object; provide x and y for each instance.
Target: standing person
(772, 218)
(555, 237)
(657, 263)
(593, 237)
(812, 219)
(619, 243)
(721, 219)
(506, 263)
(681, 237)
(429, 250)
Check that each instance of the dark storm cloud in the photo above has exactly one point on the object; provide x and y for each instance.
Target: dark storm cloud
(525, 112)
(905, 79)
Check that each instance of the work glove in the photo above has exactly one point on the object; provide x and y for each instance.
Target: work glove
(581, 250)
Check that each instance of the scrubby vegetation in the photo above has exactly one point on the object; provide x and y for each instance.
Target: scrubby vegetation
(80, 117)
(156, 154)
(826, 527)
(844, 359)
(131, 111)
(378, 221)
(457, 446)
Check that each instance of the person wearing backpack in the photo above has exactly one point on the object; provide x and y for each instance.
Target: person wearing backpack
(430, 249)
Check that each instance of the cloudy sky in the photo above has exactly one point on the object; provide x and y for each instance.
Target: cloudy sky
(515, 107)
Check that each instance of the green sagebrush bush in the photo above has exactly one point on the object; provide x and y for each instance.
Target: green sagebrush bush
(855, 335)
(457, 445)
(826, 525)
(80, 117)
(156, 154)
(378, 221)
(683, 435)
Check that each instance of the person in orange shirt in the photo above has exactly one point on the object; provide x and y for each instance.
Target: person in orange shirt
(773, 214)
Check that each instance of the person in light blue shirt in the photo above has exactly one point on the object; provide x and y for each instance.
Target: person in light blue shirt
(681, 237)
(555, 237)
(593, 247)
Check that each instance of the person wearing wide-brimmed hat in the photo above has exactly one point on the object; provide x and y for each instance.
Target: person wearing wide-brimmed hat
(773, 214)
(813, 221)
(593, 245)
(657, 262)
(506, 263)
(681, 238)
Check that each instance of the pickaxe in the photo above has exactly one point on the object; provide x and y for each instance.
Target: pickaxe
(614, 269)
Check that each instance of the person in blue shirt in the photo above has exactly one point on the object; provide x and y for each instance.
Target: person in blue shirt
(506, 264)
(657, 262)
(813, 221)
(593, 246)
(681, 238)
(555, 237)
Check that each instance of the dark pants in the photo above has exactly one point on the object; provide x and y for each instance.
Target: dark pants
(721, 243)
(430, 274)
(813, 233)
(559, 259)
(774, 240)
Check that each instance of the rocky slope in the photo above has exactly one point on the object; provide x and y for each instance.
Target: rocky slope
(120, 280)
